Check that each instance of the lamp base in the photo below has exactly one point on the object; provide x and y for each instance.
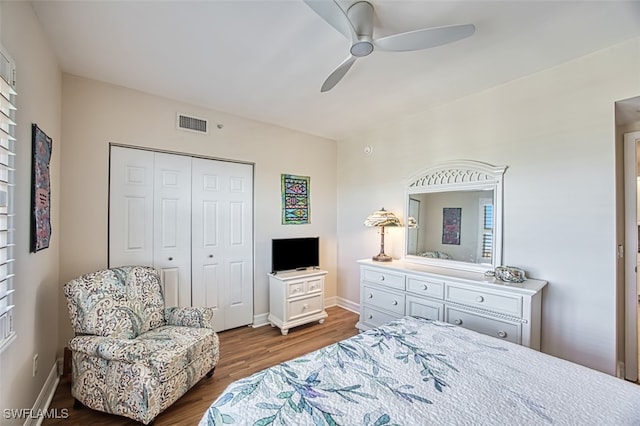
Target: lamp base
(381, 257)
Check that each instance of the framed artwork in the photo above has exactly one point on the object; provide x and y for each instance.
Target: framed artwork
(295, 199)
(40, 189)
(451, 218)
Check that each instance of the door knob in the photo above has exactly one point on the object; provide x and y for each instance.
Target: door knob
(171, 258)
(210, 255)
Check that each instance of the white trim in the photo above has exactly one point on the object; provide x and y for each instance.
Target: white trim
(630, 253)
(260, 320)
(348, 305)
(44, 398)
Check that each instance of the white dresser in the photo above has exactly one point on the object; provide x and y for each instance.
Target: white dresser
(390, 290)
(296, 298)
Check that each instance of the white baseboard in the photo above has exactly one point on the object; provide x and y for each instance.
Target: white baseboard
(40, 407)
(348, 305)
(260, 320)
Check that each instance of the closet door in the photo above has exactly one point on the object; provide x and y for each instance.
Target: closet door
(172, 226)
(222, 250)
(130, 207)
(150, 217)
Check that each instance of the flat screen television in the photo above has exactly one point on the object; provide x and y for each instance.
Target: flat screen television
(294, 253)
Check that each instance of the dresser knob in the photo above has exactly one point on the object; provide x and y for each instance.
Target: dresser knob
(171, 258)
(305, 306)
(370, 316)
(502, 334)
(479, 299)
(210, 255)
(395, 302)
(381, 277)
(370, 296)
(457, 322)
(425, 287)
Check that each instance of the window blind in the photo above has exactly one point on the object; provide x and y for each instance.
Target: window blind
(7, 178)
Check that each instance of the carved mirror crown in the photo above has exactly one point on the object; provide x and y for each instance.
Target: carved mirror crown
(454, 216)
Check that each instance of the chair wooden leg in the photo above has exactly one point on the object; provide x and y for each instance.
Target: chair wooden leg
(77, 405)
(210, 373)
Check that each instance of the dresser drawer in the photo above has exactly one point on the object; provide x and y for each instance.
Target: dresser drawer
(383, 299)
(382, 277)
(302, 307)
(375, 318)
(504, 303)
(425, 287)
(424, 308)
(490, 326)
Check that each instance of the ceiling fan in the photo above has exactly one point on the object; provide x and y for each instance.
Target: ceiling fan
(357, 25)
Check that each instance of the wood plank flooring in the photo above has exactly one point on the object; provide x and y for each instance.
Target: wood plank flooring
(243, 351)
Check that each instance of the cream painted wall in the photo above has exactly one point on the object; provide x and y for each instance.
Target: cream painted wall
(95, 114)
(36, 320)
(555, 131)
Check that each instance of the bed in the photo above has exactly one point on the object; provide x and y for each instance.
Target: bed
(415, 371)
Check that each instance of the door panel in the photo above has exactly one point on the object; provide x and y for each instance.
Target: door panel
(172, 220)
(222, 230)
(130, 207)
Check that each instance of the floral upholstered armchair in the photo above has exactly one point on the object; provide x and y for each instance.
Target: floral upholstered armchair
(132, 356)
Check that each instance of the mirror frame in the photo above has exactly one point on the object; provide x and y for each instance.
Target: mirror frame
(458, 175)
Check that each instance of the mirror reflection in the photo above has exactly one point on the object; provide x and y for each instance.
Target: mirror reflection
(452, 225)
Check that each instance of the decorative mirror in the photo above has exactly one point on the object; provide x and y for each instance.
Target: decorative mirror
(454, 216)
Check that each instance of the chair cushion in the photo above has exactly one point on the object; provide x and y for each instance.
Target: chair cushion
(175, 348)
(121, 302)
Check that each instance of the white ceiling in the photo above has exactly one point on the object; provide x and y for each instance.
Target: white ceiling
(266, 59)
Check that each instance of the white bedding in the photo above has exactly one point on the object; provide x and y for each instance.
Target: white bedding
(422, 372)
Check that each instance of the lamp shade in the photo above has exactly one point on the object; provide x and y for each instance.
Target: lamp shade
(382, 217)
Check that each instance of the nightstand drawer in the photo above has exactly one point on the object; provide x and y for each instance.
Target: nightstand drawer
(382, 277)
(374, 318)
(503, 303)
(425, 287)
(296, 289)
(490, 326)
(303, 307)
(315, 285)
(382, 299)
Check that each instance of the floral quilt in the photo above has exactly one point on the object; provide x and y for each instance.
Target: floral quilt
(420, 372)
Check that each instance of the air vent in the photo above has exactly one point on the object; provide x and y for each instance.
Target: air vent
(193, 124)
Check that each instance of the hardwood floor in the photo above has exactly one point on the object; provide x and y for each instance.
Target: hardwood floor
(243, 351)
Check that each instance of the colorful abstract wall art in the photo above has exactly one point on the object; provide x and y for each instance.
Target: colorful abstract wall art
(295, 199)
(40, 190)
(451, 219)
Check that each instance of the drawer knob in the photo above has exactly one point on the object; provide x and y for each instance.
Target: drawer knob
(370, 316)
(425, 287)
(381, 277)
(305, 306)
(457, 322)
(395, 302)
(370, 296)
(502, 334)
(479, 299)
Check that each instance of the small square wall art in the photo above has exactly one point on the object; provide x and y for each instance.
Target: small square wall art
(295, 199)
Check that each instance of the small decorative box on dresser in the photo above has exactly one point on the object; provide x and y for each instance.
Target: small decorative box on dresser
(510, 311)
(296, 298)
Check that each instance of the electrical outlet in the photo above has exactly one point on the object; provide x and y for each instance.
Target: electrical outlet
(35, 365)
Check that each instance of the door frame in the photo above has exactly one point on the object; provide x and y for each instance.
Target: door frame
(631, 141)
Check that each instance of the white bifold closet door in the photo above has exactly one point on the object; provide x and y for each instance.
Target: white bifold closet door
(190, 218)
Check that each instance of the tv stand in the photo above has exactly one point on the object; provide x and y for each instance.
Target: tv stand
(296, 298)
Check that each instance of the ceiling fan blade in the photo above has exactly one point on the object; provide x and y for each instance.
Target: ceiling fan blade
(331, 12)
(425, 38)
(338, 73)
